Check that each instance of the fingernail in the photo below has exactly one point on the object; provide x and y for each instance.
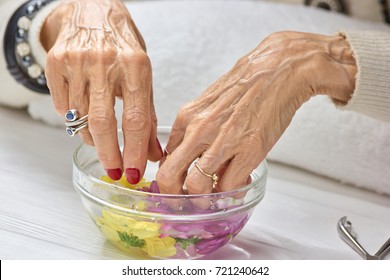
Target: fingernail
(114, 174)
(133, 175)
(159, 146)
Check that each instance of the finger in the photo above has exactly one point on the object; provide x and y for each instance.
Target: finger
(176, 135)
(213, 161)
(102, 123)
(218, 100)
(79, 100)
(237, 175)
(155, 152)
(58, 87)
(183, 119)
(201, 180)
(171, 175)
(243, 147)
(136, 122)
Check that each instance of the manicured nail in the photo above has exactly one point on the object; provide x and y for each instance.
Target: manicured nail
(114, 174)
(133, 175)
(159, 146)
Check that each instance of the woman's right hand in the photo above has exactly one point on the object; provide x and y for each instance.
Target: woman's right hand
(95, 54)
(232, 126)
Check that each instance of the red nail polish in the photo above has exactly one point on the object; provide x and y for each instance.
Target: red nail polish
(114, 174)
(159, 146)
(133, 175)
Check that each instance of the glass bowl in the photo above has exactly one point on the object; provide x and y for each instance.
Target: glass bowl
(147, 224)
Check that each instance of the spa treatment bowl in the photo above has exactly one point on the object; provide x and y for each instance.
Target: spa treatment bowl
(148, 225)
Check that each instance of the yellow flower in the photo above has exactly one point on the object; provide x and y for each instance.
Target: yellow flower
(160, 247)
(128, 234)
(143, 229)
(140, 205)
(117, 222)
(123, 182)
(110, 233)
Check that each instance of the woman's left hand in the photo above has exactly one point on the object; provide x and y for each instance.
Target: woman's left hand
(239, 118)
(97, 54)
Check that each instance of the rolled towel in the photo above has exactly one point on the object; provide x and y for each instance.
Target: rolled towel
(346, 146)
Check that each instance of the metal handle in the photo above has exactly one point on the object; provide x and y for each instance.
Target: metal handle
(348, 238)
(382, 252)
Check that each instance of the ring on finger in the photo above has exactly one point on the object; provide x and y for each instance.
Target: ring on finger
(166, 153)
(72, 131)
(213, 176)
(71, 115)
(73, 123)
(77, 121)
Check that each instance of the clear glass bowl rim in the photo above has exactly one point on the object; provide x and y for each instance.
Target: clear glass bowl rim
(260, 177)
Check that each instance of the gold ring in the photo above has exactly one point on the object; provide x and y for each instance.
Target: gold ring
(166, 153)
(213, 177)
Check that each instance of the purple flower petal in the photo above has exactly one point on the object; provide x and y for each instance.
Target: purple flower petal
(154, 187)
(207, 246)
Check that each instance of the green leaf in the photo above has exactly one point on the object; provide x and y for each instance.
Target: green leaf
(185, 242)
(131, 240)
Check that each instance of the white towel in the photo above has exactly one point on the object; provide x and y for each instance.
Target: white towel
(343, 145)
(192, 43)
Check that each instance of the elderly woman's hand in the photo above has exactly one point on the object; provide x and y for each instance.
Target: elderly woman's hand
(95, 55)
(238, 119)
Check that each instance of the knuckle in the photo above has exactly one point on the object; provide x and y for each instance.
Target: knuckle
(202, 126)
(182, 115)
(276, 36)
(60, 107)
(162, 177)
(107, 158)
(202, 145)
(138, 58)
(242, 61)
(321, 58)
(55, 56)
(194, 185)
(107, 56)
(253, 140)
(167, 180)
(76, 55)
(275, 39)
(225, 151)
(252, 150)
(100, 122)
(135, 121)
(154, 119)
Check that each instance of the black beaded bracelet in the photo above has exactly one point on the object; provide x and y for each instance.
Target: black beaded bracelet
(20, 61)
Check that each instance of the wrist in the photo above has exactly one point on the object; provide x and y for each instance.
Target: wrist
(52, 26)
(335, 69)
(348, 62)
(84, 14)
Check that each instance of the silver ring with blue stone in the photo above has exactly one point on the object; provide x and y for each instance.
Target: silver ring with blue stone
(74, 123)
(72, 131)
(77, 121)
(71, 115)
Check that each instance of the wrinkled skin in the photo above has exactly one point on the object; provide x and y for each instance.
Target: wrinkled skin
(234, 124)
(95, 55)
